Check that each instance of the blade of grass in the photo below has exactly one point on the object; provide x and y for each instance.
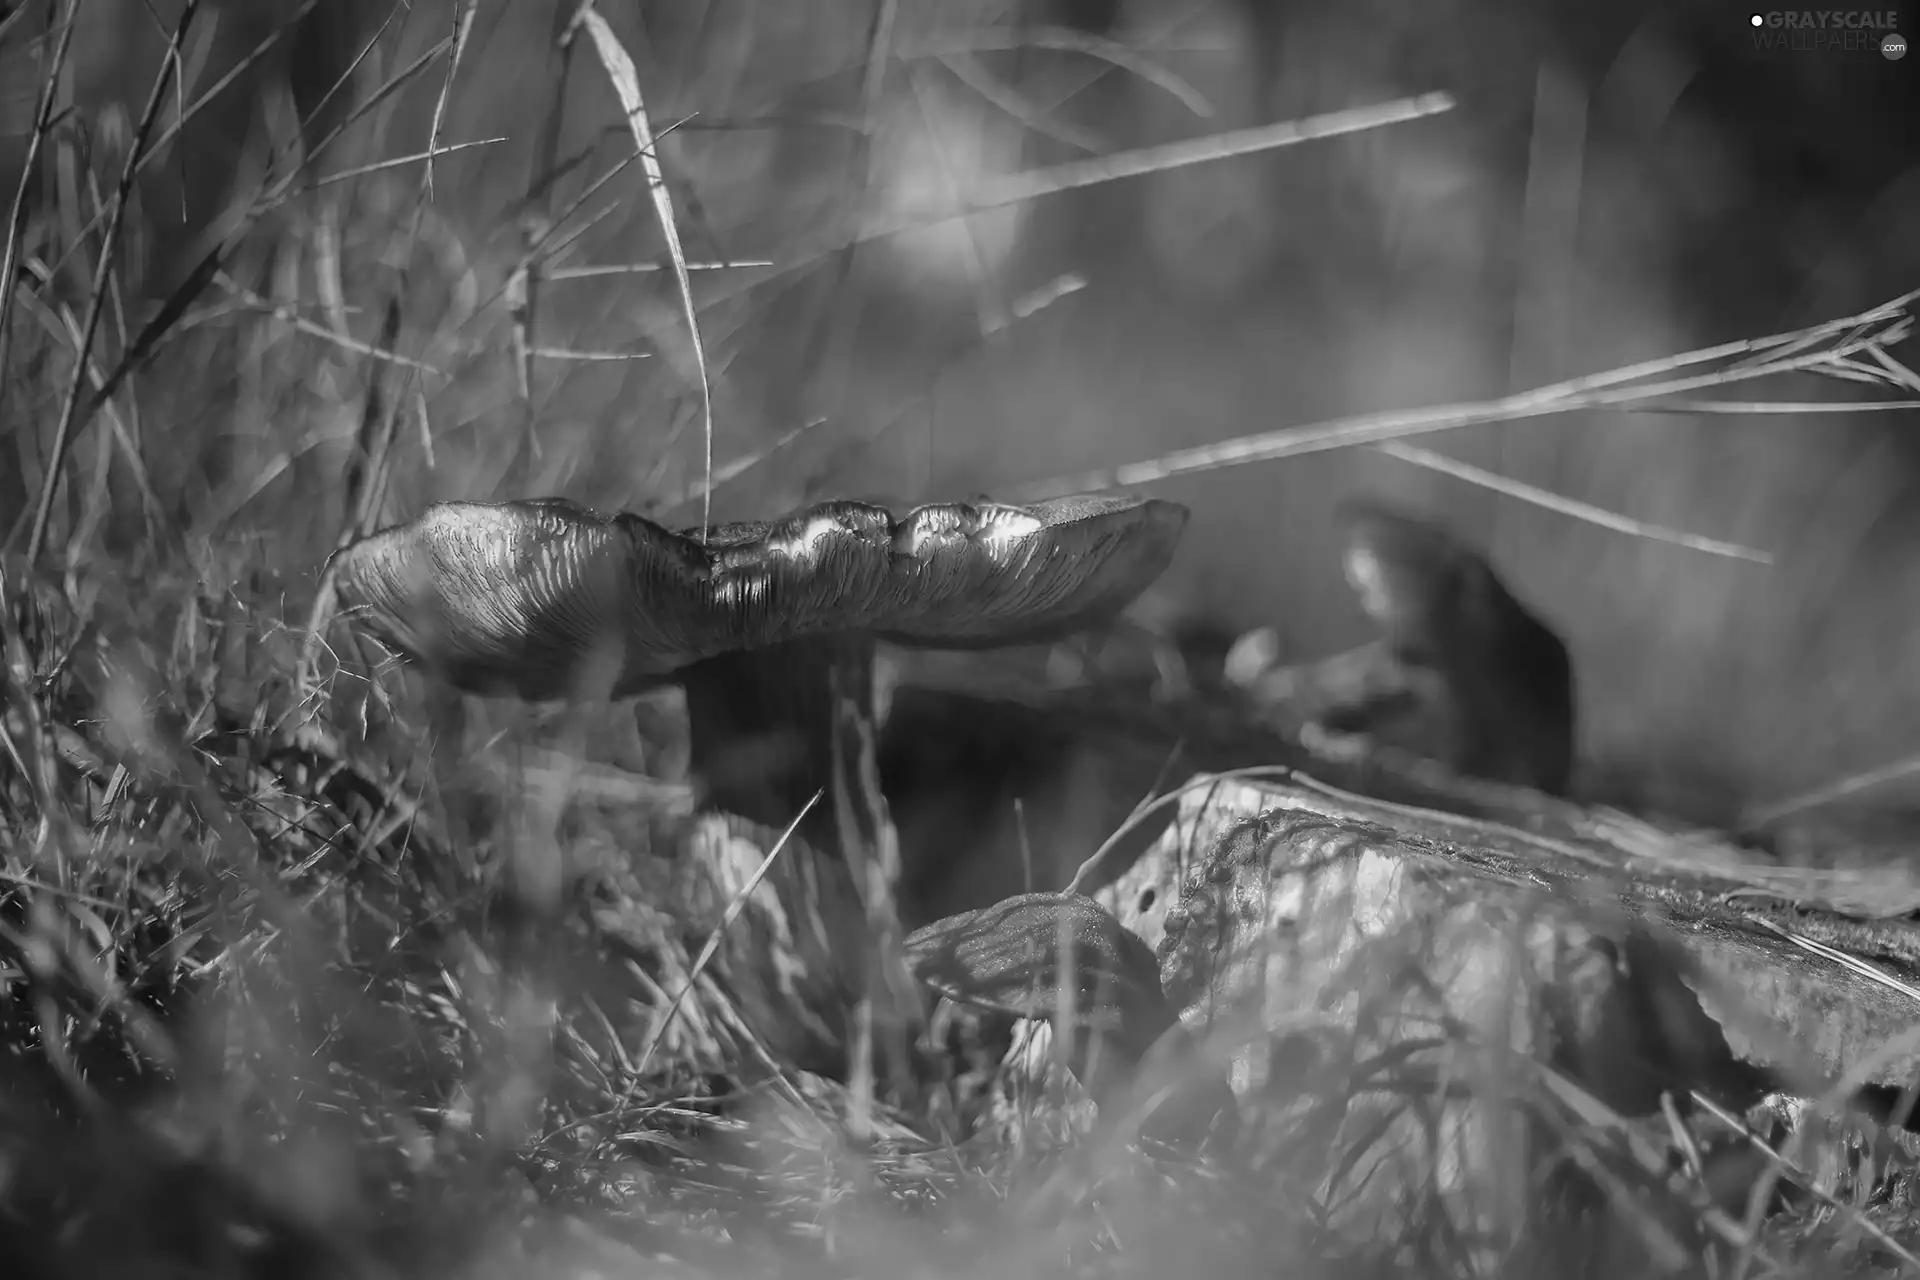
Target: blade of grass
(1584, 511)
(394, 162)
(200, 103)
(110, 242)
(66, 327)
(1762, 816)
(640, 268)
(588, 357)
(1811, 1185)
(1756, 407)
(271, 196)
(1038, 183)
(1596, 391)
(286, 313)
(462, 28)
(1063, 40)
(626, 85)
(17, 213)
(1146, 810)
(712, 946)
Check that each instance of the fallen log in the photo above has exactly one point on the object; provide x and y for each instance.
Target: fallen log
(1220, 880)
(1422, 1016)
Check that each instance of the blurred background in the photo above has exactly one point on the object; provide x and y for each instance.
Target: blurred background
(1615, 183)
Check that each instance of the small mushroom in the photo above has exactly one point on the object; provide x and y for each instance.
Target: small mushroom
(1443, 610)
(543, 599)
(1463, 672)
(1007, 959)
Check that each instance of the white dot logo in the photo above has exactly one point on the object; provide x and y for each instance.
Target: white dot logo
(1757, 20)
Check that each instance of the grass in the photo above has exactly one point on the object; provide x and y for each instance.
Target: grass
(299, 970)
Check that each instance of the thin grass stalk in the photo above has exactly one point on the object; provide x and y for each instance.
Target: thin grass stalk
(96, 297)
(619, 67)
(199, 104)
(17, 214)
(1886, 323)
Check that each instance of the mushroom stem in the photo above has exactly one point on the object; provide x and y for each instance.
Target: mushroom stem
(769, 727)
(760, 726)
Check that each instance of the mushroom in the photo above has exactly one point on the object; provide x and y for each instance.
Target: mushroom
(1007, 959)
(543, 599)
(1463, 672)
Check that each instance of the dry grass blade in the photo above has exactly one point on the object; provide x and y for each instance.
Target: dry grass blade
(7, 21)
(290, 183)
(641, 268)
(233, 76)
(1872, 973)
(700, 962)
(1744, 407)
(1174, 155)
(1063, 40)
(1766, 815)
(1151, 807)
(1126, 164)
(1799, 1177)
(969, 72)
(65, 327)
(1815, 348)
(1585, 511)
(395, 162)
(740, 466)
(157, 329)
(626, 83)
(17, 213)
(588, 357)
(1832, 1103)
(286, 313)
(1596, 1117)
(1901, 374)
(462, 29)
(96, 298)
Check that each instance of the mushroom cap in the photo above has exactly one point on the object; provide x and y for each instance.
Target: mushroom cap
(1441, 606)
(1423, 585)
(524, 597)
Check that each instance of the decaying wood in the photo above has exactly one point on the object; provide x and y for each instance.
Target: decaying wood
(1780, 1008)
(1474, 869)
(1425, 1011)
